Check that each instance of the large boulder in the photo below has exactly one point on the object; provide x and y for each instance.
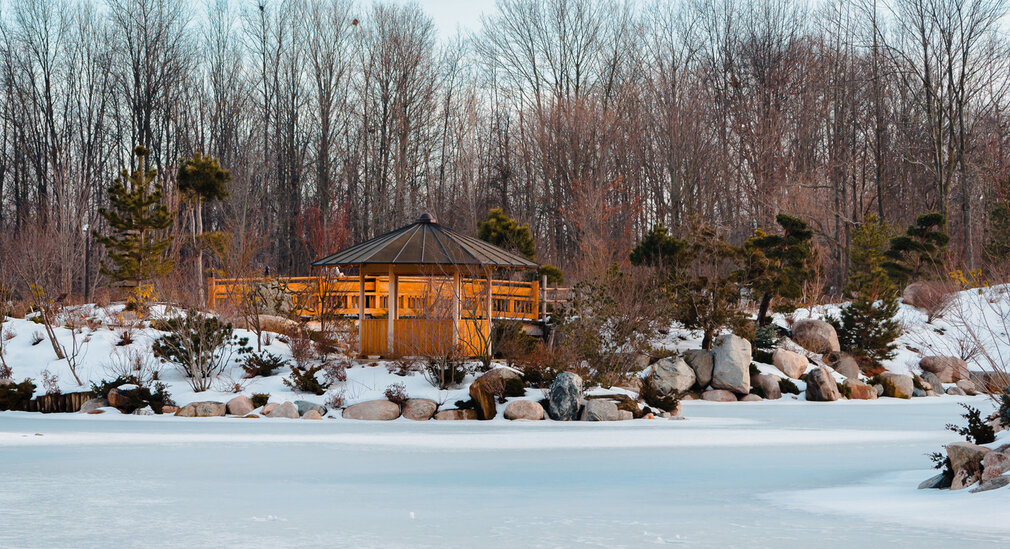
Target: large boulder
(991, 484)
(821, 386)
(750, 398)
(600, 410)
(859, 390)
(372, 410)
(125, 397)
(790, 363)
(719, 395)
(843, 363)
(769, 386)
(967, 386)
(994, 464)
(206, 408)
(449, 415)
(671, 376)
(92, 405)
(816, 336)
(494, 383)
(524, 410)
(897, 385)
(240, 406)
(954, 390)
(312, 414)
(731, 364)
(701, 361)
(925, 294)
(565, 397)
(948, 369)
(966, 463)
(304, 406)
(419, 409)
(284, 410)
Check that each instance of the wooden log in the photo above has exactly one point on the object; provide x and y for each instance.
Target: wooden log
(62, 403)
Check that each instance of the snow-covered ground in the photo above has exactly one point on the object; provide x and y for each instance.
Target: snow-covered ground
(766, 474)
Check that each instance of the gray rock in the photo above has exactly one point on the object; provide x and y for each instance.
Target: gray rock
(879, 389)
(93, 405)
(918, 393)
(524, 410)
(202, 409)
(990, 484)
(565, 397)
(816, 336)
(145, 411)
(598, 409)
(790, 363)
(938, 482)
(897, 385)
(934, 382)
(372, 410)
(671, 376)
(240, 406)
(701, 361)
(284, 410)
(625, 415)
(304, 406)
(769, 386)
(821, 387)
(419, 409)
(731, 364)
(924, 293)
(955, 391)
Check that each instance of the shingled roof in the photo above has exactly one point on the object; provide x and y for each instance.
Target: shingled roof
(425, 242)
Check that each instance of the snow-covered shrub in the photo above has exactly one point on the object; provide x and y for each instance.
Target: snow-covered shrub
(15, 396)
(335, 371)
(336, 400)
(303, 379)
(397, 394)
(977, 431)
(155, 396)
(200, 346)
(262, 364)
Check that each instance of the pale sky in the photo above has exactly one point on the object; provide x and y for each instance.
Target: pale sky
(448, 14)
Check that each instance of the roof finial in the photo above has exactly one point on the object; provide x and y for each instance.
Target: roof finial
(427, 218)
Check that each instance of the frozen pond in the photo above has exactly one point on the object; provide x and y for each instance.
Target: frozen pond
(738, 475)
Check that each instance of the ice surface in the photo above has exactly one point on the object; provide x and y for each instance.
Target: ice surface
(768, 474)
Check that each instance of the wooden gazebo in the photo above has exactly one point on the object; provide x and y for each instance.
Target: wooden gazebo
(442, 290)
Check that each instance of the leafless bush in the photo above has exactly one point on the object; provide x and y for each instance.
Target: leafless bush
(397, 394)
(335, 371)
(981, 318)
(335, 400)
(51, 382)
(403, 366)
(133, 364)
(226, 383)
(302, 350)
(37, 338)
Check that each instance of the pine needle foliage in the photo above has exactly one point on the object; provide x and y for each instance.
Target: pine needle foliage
(136, 251)
(918, 253)
(779, 264)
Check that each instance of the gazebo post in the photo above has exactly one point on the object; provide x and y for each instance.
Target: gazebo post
(391, 312)
(456, 298)
(361, 310)
(489, 307)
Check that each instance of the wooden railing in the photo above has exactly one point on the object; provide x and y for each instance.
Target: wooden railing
(314, 296)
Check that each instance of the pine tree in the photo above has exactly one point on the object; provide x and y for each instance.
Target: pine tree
(201, 180)
(505, 232)
(779, 264)
(658, 249)
(919, 252)
(867, 328)
(135, 251)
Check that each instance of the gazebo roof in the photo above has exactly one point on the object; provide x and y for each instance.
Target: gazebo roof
(426, 243)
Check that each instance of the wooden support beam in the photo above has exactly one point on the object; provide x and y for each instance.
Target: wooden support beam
(457, 296)
(361, 311)
(490, 304)
(391, 310)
